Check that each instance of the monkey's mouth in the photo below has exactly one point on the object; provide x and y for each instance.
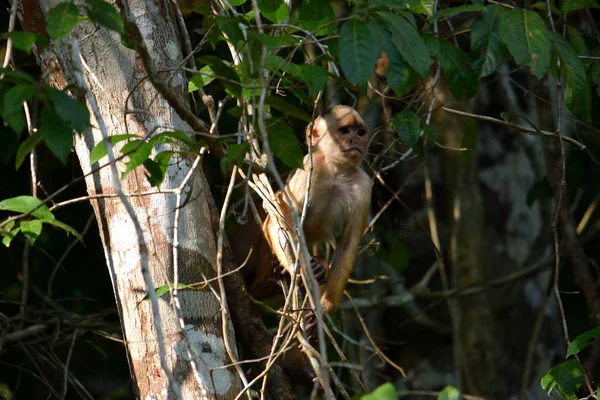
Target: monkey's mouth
(353, 149)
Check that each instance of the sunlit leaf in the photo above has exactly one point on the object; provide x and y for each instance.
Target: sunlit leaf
(449, 393)
(105, 14)
(99, 149)
(582, 341)
(32, 229)
(64, 227)
(61, 20)
(25, 204)
(387, 391)
(204, 76)
(275, 10)
(138, 153)
(566, 378)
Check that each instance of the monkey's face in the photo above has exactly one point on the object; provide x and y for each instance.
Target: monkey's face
(342, 135)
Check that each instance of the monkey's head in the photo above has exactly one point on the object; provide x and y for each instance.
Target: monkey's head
(341, 135)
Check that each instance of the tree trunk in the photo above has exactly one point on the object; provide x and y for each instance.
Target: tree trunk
(113, 73)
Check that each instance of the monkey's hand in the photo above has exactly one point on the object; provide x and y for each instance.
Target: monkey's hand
(309, 320)
(316, 265)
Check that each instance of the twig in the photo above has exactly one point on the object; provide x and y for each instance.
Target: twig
(67, 362)
(11, 28)
(524, 129)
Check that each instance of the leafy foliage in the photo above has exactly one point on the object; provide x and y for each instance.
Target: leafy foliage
(566, 378)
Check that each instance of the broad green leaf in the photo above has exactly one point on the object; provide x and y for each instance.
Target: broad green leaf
(32, 229)
(275, 42)
(157, 168)
(581, 341)
(105, 14)
(15, 96)
(287, 108)
(461, 79)
(24, 41)
(64, 227)
(204, 76)
(26, 147)
(180, 136)
(359, 49)
(315, 14)
(275, 10)
(525, 34)
(571, 66)
(58, 136)
(449, 393)
(566, 378)
(387, 391)
(99, 149)
(231, 28)
(69, 110)
(421, 6)
(577, 41)
(236, 3)
(9, 232)
(140, 151)
(581, 106)
(452, 11)
(429, 131)
(408, 42)
(485, 39)
(315, 76)
(25, 204)
(61, 20)
(284, 144)
(234, 155)
(574, 5)
(226, 72)
(408, 127)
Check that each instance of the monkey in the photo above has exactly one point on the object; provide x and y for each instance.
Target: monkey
(339, 196)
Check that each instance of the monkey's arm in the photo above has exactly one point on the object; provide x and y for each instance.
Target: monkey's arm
(344, 258)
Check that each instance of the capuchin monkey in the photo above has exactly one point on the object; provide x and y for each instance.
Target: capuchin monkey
(338, 202)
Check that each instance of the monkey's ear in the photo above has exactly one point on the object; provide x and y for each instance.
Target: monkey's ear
(318, 130)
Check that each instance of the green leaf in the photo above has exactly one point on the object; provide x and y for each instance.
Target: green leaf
(314, 14)
(387, 391)
(32, 229)
(61, 20)
(16, 96)
(284, 144)
(26, 147)
(359, 49)
(400, 76)
(275, 42)
(577, 41)
(571, 66)
(408, 127)
(9, 233)
(180, 136)
(315, 76)
(287, 108)
(527, 39)
(162, 290)
(485, 39)
(25, 205)
(429, 131)
(421, 6)
(452, 11)
(105, 14)
(64, 227)
(234, 155)
(407, 41)
(449, 393)
(70, 110)
(461, 79)
(566, 378)
(140, 151)
(57, 135)
(581, 341)
(24, 41)
(581, 106)
(99, 149)
(204, 76)
(157, 168)
(574, 5)
(226, 72)
(275, 10)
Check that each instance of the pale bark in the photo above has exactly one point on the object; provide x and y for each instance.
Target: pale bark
(117, 71)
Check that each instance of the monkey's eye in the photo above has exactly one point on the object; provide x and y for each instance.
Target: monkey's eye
(344, 130)
(361, 132)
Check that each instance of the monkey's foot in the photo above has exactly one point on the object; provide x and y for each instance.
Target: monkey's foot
(317, 267)
(310, 326)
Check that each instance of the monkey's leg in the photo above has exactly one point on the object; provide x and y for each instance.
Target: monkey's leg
(317, 265)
